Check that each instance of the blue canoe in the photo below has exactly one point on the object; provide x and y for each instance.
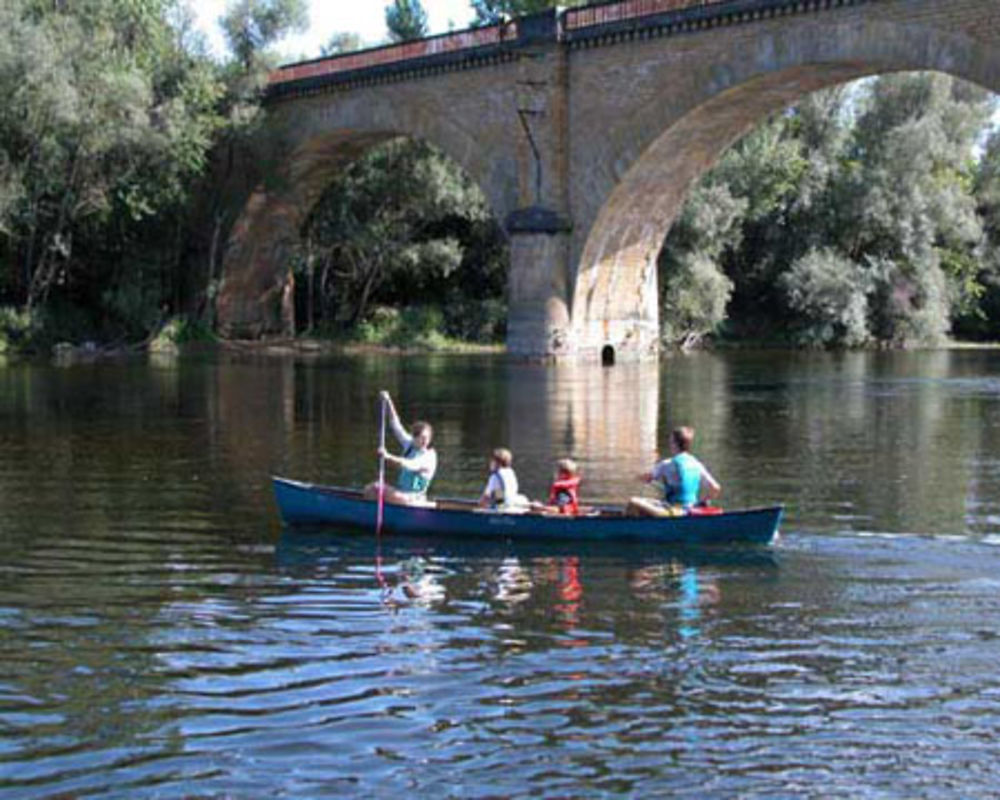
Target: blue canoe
(310, 504)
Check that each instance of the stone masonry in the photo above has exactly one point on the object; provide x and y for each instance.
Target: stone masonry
(585, 128)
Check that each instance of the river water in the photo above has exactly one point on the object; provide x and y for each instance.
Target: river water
(162, 636)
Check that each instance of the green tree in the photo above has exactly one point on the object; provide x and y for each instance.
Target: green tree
(829, 293)
(694, 290)
(908, 204)
(860, 220)
(490, 12)
(405, 20)
(341, 42)
(403, 227)
(988, 187)
(107, 119)
(984, 323)
(251, 26)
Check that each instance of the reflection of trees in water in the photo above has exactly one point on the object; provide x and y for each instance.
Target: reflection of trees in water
(858, 440)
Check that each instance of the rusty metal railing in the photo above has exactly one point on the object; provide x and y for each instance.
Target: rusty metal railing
(605, 13)
(390, 54)
(571, 20)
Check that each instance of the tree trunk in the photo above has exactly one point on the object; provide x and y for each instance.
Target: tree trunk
(288, 306)
(45, 272)
(213, 254)
(311, 287)
(366, 289)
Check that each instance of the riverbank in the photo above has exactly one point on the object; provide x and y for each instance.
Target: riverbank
(68, 353)
(312, 346)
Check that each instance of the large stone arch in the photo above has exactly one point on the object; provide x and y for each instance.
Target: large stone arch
(302, 146)
(629, 182)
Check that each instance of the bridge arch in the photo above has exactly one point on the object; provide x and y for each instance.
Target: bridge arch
(683, 118)
(303, 146)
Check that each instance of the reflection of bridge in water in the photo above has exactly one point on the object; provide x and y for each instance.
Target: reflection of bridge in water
(604, 418)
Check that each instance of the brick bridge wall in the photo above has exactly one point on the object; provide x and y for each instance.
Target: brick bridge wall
(626, 105)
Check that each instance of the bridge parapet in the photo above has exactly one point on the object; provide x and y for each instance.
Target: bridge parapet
(481, 45)
(442, 45)
(616, 21)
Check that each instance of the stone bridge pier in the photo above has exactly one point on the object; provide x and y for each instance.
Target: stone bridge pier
(585, 129)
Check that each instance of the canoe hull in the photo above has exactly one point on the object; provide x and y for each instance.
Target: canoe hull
(310, 504)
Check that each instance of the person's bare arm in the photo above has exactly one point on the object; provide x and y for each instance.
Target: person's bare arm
(416, 464)
(709, 485)
(398, 430)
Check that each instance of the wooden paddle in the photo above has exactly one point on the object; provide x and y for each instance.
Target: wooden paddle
(381, 470)
(380, 508)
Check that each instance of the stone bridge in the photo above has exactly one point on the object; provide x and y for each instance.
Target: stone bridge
(585, 128)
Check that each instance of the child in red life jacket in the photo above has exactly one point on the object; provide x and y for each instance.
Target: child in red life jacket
(564, 492)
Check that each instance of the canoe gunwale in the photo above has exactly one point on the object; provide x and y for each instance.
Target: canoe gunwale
(308, 504)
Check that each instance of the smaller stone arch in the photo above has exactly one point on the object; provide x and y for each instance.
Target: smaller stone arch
(304, 142)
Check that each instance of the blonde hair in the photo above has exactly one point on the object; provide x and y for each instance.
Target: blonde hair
(567, 466)
(503, 456)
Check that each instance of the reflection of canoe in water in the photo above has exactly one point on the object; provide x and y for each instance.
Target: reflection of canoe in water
(311, 504)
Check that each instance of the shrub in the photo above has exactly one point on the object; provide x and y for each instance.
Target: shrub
(481, 321)
(694, 299)
(181, 330)
(828, 293)
(415, 326)
(133, 306)
(912, 302)
(16, 327)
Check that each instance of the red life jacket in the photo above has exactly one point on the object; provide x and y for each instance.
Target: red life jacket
(564, 494)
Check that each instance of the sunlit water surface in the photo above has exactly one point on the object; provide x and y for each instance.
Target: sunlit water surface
(162, 636)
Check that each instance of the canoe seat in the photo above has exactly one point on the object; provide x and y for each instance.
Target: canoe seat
(503, 510)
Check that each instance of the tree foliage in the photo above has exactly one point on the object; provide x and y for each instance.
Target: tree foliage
(829, 294)
(341, 42)
(404, 226)
(251, 26)
(107, 121)
(694, 291)
(983, 321)
(405, 20)
(860, 217)
(490, 12)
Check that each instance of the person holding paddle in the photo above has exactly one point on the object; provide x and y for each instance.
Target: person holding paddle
(685, 480)
(418, 462)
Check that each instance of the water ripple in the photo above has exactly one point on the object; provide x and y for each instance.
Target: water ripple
(161, 637)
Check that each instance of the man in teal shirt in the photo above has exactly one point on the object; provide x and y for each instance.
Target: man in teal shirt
(686, 482)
